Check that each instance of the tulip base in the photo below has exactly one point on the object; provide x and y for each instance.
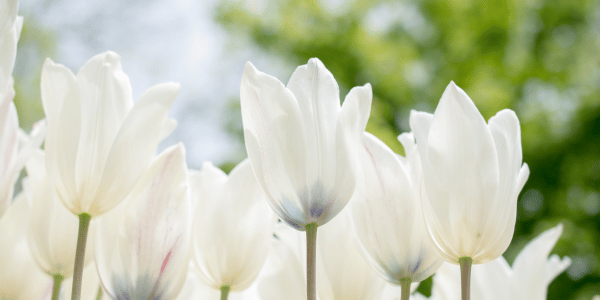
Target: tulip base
(465, 263)
(311, 259)
(225, 292)
(57, 283)
(84, 226)
(405, 288)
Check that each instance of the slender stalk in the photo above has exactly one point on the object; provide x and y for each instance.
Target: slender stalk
(311, 259)
(58, 279)
(225, 292)
(465, 263)
(405, 288)
(99, 295)
(84, 226)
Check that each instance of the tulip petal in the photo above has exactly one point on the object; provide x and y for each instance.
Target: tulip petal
(275, 142)
(8, 14)
(105, 94)
(533, 272)
(317, 95)
(8, 52)
(9, 126)
(206, 185)
(57, 81)
(134, 145)
(151, 252)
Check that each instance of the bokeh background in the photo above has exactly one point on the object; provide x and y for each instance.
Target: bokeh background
(540, 58)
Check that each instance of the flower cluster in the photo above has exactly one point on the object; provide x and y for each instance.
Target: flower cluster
(102, 216)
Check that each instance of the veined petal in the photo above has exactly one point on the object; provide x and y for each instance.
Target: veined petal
(105, 94)
(134, 146)
(317, 95)
(276, 143)
(151, 253)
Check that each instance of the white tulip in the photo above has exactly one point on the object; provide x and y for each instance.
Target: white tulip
(472, 176)
(387, 213)
(301, 143)
(99, 142)
(233, 226)
(52, 231)
(143, 246)
(20, 278)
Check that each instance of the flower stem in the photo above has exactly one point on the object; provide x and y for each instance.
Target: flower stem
(99, 295)
(311, 259)
(225, 292)
(58, 279)
(405, 288)
(465, 263)
(84, 226)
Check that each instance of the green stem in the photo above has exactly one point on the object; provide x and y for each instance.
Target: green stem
(58, 279)
(99, 295)
(225, 292)
(405, 288)
(465, 263)
(311, 259)
(84, 226)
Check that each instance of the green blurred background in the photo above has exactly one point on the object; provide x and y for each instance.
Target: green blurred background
(539, 58)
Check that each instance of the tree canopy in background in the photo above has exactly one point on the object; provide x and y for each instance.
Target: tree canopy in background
(539, 58)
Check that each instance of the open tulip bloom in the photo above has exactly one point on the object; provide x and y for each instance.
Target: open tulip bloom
(303, 145)
(143, 246)
(388, 216)
(472, 176)
(98, 141)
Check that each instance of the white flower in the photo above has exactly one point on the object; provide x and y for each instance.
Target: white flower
(343, 272)
(387, 212)
(528, 279)
(10, 30)
(302, 144)
(472, 176)
(98, 142)
(143, 246)
(52, 232)
(20, 278)
(233, 226)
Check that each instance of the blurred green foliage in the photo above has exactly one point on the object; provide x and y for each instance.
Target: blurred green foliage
(539, 58)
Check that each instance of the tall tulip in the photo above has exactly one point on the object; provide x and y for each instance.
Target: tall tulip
(528, 279)
(99, 142)
(472, 176)
(303, 145)
(388, 216)
(142, 247)
(233, 227)
(52, 232)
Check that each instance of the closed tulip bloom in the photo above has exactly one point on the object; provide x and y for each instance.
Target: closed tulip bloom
(52, 230)
(344, 274)
(99, 142)
(142, 247)
(528, 279)
(472, 176)
(20, 278)
(387, 213)
(301, 143)
(233, 227)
